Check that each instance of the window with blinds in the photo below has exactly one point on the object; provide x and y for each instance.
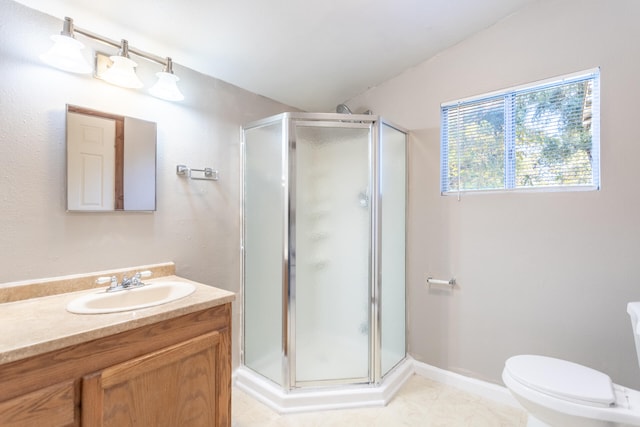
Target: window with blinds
(541, 136)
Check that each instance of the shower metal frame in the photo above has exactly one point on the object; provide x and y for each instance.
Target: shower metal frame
(289, 121)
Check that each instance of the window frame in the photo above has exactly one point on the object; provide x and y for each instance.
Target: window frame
(508, 96)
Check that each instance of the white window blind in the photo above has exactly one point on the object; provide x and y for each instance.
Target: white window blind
(540, 136)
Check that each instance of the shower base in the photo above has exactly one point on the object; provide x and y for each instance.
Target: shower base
(323, 398)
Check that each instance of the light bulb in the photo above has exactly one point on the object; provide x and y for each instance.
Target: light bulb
(65, 54)
(122, 73)
(166, 88)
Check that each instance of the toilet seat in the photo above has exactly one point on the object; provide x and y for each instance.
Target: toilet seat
(562, 379)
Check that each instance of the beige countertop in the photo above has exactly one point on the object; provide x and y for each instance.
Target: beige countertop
(38, 325)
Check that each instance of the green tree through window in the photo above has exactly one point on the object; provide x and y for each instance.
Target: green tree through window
(541, 136)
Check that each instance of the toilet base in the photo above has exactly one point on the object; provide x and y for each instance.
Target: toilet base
(557, 419)
(534, 422)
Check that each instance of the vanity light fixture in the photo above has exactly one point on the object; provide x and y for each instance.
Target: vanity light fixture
(166, 87)
(117, 69)
(65, 53)
(122, 71)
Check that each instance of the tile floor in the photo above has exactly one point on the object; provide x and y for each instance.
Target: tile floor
(419, 403)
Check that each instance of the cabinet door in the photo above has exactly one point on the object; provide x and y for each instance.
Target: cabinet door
(176, 386)
(52, 406)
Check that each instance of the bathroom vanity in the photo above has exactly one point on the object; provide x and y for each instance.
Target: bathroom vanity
(166, 365)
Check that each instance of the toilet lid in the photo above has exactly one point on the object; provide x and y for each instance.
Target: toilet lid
(562, 379)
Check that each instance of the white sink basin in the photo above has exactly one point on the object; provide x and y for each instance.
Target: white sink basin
(146, 296)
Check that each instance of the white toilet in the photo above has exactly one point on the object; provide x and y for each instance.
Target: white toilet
(558, 393)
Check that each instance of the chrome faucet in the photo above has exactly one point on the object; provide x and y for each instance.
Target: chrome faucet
(127, 282)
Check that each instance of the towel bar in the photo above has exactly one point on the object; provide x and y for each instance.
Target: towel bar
(208, 174)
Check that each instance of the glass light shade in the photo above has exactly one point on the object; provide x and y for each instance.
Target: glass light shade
(166, 88)
(122, 73)
(65, 54)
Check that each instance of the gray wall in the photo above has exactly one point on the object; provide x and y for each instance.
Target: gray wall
(547, 273)
(197, 222)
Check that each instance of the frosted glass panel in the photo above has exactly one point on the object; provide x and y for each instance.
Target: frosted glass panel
(308, 183)
(263, 249)
(332, 253)
(393, 194)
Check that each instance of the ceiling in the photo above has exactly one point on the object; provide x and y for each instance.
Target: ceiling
(309, 54)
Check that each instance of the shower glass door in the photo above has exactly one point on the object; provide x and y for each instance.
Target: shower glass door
(263, 212)
(331, 251)
(393, 189)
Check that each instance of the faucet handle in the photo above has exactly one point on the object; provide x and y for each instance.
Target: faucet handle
(105, 279)
(113, 280)
(135, 279)
(145, 273)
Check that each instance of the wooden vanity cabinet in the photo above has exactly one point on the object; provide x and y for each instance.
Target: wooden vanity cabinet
(55, 405)
(175, 386)
(176, 372)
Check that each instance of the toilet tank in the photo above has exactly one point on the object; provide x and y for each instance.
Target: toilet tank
(633, 308)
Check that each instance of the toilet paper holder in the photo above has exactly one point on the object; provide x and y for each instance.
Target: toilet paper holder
(439, 282)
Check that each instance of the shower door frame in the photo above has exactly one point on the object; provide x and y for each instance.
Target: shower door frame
(289, 295)
(288, 122)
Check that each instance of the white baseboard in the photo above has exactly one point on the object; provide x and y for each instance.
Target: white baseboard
(497, 393)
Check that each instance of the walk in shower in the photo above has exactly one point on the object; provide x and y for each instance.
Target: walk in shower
(323, 256)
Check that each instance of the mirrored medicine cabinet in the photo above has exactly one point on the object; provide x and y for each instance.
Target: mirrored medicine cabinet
(111, 162)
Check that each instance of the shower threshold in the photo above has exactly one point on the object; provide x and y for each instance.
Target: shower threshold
(324, 398)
